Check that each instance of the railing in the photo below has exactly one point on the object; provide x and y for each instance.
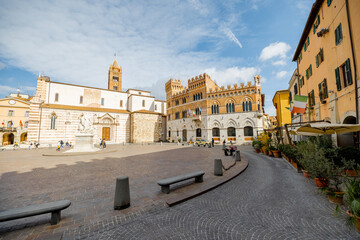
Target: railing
(8, 129)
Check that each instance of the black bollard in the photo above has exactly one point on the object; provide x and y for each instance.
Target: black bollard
(218, 167)
(122, 193)
(237, 156)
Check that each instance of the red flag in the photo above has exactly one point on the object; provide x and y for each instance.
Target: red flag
(21, 124)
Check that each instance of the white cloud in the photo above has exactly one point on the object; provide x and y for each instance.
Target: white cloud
(2, 65)
(6, 90)
(281, 74)
(74, 42)
(275, 50)
(232, 75)
(279, 63)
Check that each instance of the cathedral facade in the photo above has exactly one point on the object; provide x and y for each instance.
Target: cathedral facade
(116, 116)
(204, 110)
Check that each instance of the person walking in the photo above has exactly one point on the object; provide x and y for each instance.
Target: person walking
(104, 143)
(30, 146)
(212, 142)
(100, 143)
(231, 143)
(61, 144)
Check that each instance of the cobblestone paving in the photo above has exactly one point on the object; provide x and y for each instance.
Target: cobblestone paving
(88, 181)
(268, 201)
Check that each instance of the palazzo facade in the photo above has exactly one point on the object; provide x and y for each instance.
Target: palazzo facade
(204, 110)
(116, 116)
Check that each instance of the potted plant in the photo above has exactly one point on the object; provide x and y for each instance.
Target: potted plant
(352, 193)
(314, 160)
(271, 149)
(257, 145)
(333, 191)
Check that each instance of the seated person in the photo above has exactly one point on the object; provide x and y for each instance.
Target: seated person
(232, 149)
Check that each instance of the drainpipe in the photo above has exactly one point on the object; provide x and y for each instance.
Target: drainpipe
(354, 60)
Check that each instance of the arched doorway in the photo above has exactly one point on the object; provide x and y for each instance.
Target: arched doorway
(198, 133)
(231, 133)
(23, 137)
(184, 135)
(8, 139)
(347, 139)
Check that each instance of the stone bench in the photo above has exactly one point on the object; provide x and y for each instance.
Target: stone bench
(52, 207)
(165, 183)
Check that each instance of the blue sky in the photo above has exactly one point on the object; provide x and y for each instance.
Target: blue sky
(75, 42)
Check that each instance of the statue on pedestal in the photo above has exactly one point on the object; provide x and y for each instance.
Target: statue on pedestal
(85, 125)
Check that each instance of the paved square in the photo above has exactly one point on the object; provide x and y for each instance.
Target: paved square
(88, 181)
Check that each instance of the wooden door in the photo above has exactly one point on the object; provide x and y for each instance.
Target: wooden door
(106, 133)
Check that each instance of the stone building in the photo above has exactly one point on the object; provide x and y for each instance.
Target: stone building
(132, 116)
(14, 115)
(204, 110)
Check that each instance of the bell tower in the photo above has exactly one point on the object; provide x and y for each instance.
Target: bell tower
(115, 77)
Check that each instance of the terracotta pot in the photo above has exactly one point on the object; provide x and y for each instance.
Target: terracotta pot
(338, 199)
(356, 219)
(277, 153)
(321, 182)
(351, 173)
(270, 153)
(306, 173)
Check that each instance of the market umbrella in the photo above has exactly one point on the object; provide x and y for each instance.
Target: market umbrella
(328, 128)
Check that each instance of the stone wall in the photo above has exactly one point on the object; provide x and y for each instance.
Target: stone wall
(146, 127)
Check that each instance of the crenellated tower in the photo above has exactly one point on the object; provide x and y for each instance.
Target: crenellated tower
(115, 77)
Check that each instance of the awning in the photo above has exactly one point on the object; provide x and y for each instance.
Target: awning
(314, 129)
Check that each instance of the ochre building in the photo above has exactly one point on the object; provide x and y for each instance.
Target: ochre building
(204, 110)
(328, 57)
(14, 116)
(116, 116)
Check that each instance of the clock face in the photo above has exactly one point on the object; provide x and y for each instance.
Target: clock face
(12, 102)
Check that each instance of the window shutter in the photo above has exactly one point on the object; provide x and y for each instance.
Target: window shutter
(336, 36)
(340, 33)
(320, 93)
(308, 41)
(337, 75)
(310, 70)
(309, 98)
(318, 20)
(325, 89)
(321, 55)
(348, 71)
(313, 97)
(317, 60)
(328, 2)
(307, 74)
(314, 28)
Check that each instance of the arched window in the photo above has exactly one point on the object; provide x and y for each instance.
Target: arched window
(143, 103)
(198, 132)
(26, 124)
(248, 131)
(9, 124)
(53, 119)
(216, 132)
(250, 107)
(212, 110)
(227, 108)
(121, 103)
(244, 108)
(233, 107)
(231, 132)
(217, 109)
(201, 96)
(56, 97)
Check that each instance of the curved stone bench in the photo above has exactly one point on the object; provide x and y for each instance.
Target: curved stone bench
(165, 183)
(52, 207)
